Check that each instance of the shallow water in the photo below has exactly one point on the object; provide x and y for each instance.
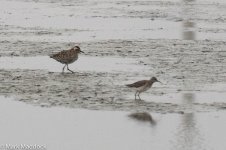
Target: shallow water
(184, 97)
(60, 128)
(79, 21)
(84, 63)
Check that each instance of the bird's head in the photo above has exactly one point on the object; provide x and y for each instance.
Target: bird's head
(77, 49)
(154, 79)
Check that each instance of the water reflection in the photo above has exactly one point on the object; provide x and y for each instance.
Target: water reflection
(188, 33)
(143, 117)
(188, 100)
(72, 128)
(188, 26)
(188, 134)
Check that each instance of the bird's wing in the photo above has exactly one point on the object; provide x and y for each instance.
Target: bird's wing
(137, 84)
(59, 54)
(65, 54)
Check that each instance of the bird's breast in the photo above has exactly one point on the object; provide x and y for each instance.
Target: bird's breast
(144, 88)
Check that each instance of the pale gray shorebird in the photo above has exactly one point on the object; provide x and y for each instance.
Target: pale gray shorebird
(142, 86)
(67, 56)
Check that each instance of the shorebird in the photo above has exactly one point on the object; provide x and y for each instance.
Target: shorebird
(142, 86)
(67, 56)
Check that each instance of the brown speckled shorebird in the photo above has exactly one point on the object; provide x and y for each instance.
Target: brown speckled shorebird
(142, 86)
(67, 56)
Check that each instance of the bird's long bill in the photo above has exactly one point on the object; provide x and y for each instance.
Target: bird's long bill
(159, 81)
(81, 51)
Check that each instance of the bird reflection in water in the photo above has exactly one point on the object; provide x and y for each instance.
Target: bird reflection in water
(143, 117)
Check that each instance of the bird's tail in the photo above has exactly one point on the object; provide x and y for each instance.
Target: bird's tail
(51, 56)
(129, 85)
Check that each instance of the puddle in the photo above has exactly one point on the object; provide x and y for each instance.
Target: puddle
(84, 63)
(150, 30)
(180, 98)
(214, 93)
(60, 128)
(157, 29)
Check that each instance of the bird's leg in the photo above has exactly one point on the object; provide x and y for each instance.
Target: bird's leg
(136, 95)
(63, 68)
(139, 95)
(69, 69)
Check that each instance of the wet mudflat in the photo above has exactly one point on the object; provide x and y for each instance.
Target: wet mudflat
(39, 81)
(182, 43)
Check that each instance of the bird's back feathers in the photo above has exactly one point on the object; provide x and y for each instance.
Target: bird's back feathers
(137, 84)
(65, 56)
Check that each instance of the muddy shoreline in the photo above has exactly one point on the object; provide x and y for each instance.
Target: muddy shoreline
(185, 66)
(181, 43)
(88, 90)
